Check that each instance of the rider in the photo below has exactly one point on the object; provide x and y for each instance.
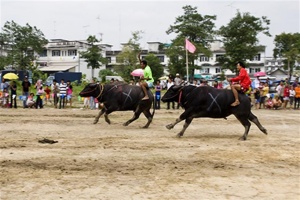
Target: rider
(243, 84)
(147, 79)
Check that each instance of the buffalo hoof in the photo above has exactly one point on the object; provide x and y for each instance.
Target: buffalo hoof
(242, 138)
(179, 135)
(145, 126)
(265, 131)
(126, 124)
(95, 122)
(170, 126)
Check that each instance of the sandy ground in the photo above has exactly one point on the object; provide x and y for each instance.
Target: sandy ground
(114, 162)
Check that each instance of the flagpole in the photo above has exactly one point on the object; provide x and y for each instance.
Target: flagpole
(187, 65)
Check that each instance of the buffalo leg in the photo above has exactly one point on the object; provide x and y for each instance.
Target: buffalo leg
(148, 116)
(170, 126)
(182, 117)
(245, 122)
(254, 119)
(136, 115)
(99, 115)
(186, 124)
(106, 118)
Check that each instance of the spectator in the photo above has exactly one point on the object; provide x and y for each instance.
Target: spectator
(47, 94)
(157, 94)
(297, 96)
(292, 96)
(4, 85)
(13, 94)
(277, 103)
(264, 92)
(4, 98)
(55, 92)
(62, 93)
(170, 84)
(25, 90)
(195, 83)
(39, 99)
(177, 81)
(69, 93)
(295, 83)
(269, 102)
(280, 89)
(92, 99)
(257, 98)
(286, 95)
(30, 103)
(256, 83)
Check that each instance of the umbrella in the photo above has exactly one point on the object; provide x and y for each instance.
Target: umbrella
(11, 76)
(137, 72)
(163, 78)
(260, 74)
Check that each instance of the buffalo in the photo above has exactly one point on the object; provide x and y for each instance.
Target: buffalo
(120, 97)
(206, 101)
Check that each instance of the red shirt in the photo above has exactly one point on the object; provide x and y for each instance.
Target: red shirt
(243, 78)
(286, 92)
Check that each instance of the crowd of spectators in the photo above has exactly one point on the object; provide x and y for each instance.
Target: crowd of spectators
(59, 95)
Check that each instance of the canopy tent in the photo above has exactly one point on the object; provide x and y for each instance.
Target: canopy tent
(56, 68)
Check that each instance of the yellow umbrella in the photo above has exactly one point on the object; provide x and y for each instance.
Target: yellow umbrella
(11, 76)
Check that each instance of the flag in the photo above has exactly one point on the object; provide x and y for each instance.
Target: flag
(189, 46)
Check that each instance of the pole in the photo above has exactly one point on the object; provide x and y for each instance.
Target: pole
(187, 66)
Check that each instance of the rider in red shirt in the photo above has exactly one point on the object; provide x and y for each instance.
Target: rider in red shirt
(243, 84)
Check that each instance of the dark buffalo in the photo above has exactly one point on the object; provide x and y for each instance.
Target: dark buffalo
(205, 101)
(120, 97)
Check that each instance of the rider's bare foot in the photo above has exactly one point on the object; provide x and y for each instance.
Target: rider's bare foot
(145, 98)
(235, 103)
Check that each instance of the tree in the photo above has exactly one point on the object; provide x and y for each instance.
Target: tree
(156, 68)
(198, 29)
(128, 57)
(93, 55)
(240, 39)
(287, 46)
(20, 43)
(105, 72)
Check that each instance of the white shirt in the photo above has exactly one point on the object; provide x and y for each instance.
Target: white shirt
(169, 84)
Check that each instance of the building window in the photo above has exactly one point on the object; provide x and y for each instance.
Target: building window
(43, 53)
(55, 53)
(108, 59)
(205, 70)
(72, 52)
(218, 70)
(253, 70)
(218, 57)
(161, 58)
(204, 58)
(256, 58)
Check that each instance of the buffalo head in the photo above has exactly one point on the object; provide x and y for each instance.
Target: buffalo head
(90, 90)
(172, 93)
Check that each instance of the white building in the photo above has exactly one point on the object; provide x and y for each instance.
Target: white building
(63, 55)
(210, 66)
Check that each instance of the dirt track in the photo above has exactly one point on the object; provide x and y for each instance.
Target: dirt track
(114, 162)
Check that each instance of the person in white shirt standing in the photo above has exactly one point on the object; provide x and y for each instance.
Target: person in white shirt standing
(62, 93)
(170, 84)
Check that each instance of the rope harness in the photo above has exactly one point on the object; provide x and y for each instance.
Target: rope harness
(101, 90)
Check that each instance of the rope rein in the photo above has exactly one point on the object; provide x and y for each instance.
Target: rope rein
(102, 88)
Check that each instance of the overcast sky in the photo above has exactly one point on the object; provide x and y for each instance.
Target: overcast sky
(116, 20)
